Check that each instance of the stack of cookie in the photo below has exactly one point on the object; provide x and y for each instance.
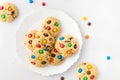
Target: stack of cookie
(45, 48)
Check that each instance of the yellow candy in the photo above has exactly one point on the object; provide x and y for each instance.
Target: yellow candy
(84, 18)
(39, 58)
(44, 41)
(54, 30)
(9, 9)
(89, 66)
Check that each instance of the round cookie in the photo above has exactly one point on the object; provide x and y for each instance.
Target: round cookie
(52, 25)
(44, 41)
(8, 12)
(56, 58)
(86, 71)
(39, 58)
(29, 37)
(67, 45)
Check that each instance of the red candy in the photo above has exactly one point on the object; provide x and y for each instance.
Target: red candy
(33, 63)
(55, 50)
(43, 3)
(48, 28)
(38, 45)
(62, 45)
(29, 35)
(1, 7)
(92, 77)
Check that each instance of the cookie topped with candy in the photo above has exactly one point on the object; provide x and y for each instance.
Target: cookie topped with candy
(39, 58)
(29, 37)
(45, 48)
(56, 58)
(44, 41)
(8, 12)
(52, 25)
(67, 45)
(86, 71)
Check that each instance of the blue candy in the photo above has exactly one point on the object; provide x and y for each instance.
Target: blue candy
(80, 70)
(59, 57)
(33, 56)
(108, 57)
(62, 38)
(30, 1)
(46, 49)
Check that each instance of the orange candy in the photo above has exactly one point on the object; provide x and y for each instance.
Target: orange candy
(69, 52)
(37, 36)
(9, 8)
(87, 36)
(51, 60)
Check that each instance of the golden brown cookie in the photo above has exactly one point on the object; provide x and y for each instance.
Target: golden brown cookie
(44, 41)
(8, 12)
(29, 37)
(39, 58)
(86, 71)
(52, 25)
(67, 45)
(56, 58)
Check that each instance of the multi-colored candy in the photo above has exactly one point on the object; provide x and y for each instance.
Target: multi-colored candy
(29, 37)
(56, 57)
(86, 71)
(39, 58)
(45, 41)
(67, 45)
(52, 25)
(8, 12)
(44, 46)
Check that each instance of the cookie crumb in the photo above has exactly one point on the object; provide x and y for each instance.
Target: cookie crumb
(43, 4)
(84, 18)
(108, 57)
(62, 78)
(89, 23)
(31, 1)
(87, 36)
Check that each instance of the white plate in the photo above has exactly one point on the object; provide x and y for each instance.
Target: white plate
(69, 26)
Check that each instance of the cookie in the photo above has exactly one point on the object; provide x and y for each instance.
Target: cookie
(39, 58)
(86, 71)
(44, 41)
(67, 45)
(29, 37)
(52, 25)
(8, 12)
(56, 58)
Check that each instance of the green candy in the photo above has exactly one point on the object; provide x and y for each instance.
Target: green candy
(69, 45)
(85, 78)
(57, 24)
(3, 16)
(41, 51)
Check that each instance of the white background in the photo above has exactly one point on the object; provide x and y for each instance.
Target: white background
(104, 38)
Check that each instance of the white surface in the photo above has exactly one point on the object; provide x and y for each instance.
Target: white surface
(104, 38)
(33, 23)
